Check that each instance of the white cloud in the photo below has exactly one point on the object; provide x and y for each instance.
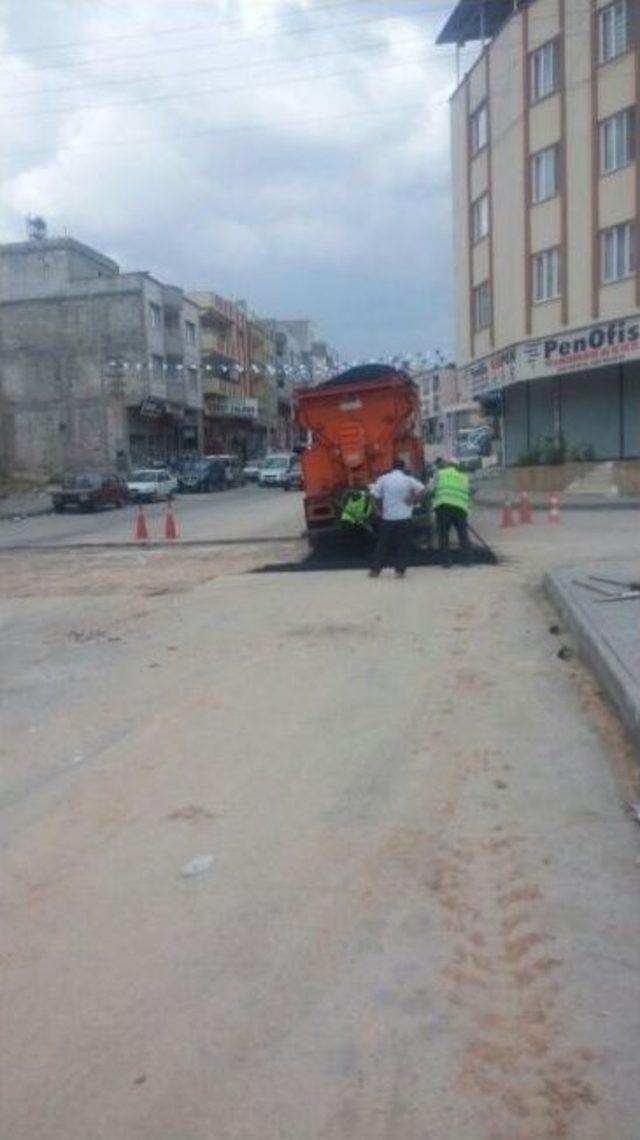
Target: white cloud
(259, 146)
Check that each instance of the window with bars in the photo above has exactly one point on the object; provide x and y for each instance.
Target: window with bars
(545, 171)
(546, 275)
(545, 71)
(614, 27)
(479, 218)
(481, 306)
(618, 252)
(479, 128)
(617, 141)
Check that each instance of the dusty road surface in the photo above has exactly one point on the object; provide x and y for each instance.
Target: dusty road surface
(244, 512)
(419, 919)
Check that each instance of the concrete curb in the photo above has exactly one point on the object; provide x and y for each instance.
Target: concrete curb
(598, 653)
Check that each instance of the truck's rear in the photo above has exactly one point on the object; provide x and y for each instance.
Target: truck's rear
(358, 423)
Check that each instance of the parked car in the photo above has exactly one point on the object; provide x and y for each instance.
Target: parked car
(482, 438)
(251, 470)
(151, 484)
(203, 475)
(275, 469)
(293, 479)
(89, 491)
(469, 458)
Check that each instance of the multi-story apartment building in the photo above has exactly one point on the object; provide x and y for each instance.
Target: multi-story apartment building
(447, 406)
(318, 361)
(232, 422)
(239, 377)
(97, 367)
(546, 189)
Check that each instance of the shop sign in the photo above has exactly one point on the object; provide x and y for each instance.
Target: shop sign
(152, 407)
(598, 345)
(241, 407)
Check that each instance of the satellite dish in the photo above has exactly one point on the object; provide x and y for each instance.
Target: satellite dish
(36, 228)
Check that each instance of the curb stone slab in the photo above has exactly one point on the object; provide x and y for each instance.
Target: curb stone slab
(607, 633)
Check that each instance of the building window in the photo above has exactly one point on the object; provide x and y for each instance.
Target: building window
(157, 365)
(545, 170)
(545, 71)
(546, 275)
(192, 376)
(617, 141)
(481, 307)
(436, 405)
(618, 252)
(190, 332)
(480, 218)
(613, 30)
(479, 129)
(155, 315)
(435, 382)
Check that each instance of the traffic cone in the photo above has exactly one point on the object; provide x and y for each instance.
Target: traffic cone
(170, 528)
(554, 510)
(506, 518)
(524, 508)
(140, 533)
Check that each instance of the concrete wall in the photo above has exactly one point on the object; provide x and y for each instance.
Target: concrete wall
(34, 269)
(59, 406)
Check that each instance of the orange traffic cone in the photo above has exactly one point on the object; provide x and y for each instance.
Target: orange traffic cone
(170, 528)
(524, 508)
(506, 518)
(140, 533)
(554, 510)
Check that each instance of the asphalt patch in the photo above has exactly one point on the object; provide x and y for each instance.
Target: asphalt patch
(341, 554)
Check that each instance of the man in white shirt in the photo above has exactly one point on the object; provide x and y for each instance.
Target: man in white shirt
(397, 493)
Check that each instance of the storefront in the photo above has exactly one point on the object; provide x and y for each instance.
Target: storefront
(575, 396)
(160, 431)
(232, 427)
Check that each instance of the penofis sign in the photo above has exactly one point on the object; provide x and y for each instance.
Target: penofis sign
(607, 342)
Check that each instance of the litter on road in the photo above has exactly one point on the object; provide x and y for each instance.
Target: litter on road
(197, 866)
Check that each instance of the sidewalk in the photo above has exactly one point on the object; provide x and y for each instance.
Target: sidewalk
(25, 504)
(607, 632)
(491, 488)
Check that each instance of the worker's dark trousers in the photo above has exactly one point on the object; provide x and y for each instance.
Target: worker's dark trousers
(394, 535)
(456, 517)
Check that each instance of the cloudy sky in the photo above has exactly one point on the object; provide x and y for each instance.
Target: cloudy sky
(290, 152)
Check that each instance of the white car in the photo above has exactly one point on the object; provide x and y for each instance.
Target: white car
(275, 470)
(151, 484)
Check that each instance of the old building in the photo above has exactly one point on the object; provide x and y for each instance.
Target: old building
(97, 367)
(447, 406)
(238, 366)
(317, 360)
(546, 188)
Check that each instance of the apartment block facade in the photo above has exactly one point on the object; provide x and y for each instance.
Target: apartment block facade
(546, 193)
(98, 368)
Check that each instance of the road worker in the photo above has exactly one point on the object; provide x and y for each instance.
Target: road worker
(396, 493)
(451, 503)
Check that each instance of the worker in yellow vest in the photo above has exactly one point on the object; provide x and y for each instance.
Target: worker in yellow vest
(451, 503)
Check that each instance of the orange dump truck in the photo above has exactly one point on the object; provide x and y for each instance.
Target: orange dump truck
(358, 422)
